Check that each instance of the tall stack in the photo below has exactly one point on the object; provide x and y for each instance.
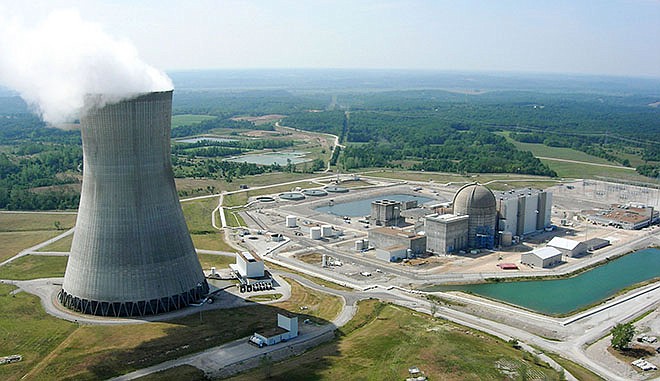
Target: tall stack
(131, 253)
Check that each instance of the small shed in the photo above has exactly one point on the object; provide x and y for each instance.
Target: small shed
(568, 247)
(596, 243)
(543, 257)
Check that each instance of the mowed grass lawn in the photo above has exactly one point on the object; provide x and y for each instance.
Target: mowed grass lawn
(100, 352)
(189, 119)
(198, 218)
(18, 231)
(383, 340)
(34, 267)
(14, 242)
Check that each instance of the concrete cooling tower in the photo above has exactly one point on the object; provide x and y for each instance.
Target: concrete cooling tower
(131, 253)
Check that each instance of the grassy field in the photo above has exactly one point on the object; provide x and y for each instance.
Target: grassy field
(211, 241)
(34, 267)
(580, 372)
(63, 245)
(217, 261)
(189, 119)
(585, 171)
(559, 153)
(233, 218)
(14, 222)
(14, 242)
(27, 331)
(178, 373)
(198, 217)
(382, 341)
(100, 352)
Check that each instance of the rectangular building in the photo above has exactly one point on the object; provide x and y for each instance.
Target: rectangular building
(568, 247)
(385, 212)
(629, 217)
(543, 257)
(446, 233)
(392, 254)
(248, 265)
(524, 211)
(388, 237)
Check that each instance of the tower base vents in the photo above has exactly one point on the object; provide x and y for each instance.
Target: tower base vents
(136, 308)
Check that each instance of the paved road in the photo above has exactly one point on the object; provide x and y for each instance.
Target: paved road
(586, 163)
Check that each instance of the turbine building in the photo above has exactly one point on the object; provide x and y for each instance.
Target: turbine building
(131, 254)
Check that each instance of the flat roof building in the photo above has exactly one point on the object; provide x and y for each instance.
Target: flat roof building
(543, 257)
(524, 211)
(629, 217)
(248, 265)
(385, 212)
(446, 233)
(392, 254)
(388, 237)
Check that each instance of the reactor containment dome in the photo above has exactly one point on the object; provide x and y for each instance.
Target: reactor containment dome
(478, 202)
(131, 254)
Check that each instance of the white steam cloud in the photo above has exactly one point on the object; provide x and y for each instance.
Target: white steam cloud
(56, 63)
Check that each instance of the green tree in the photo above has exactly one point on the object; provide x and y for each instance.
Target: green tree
(622, 335)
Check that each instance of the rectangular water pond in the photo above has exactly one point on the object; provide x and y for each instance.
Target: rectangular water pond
(562, 296)
(280, 158)
(202, 138)
(361, 208)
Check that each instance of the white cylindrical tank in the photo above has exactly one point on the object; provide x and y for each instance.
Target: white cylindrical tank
(359, 245)
(409, 253)
(324, 261)
(315, 233)
(291, 221)
(365, 244)
(213, 271)
(326, 231)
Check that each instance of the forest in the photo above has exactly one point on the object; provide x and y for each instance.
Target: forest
(430, 130)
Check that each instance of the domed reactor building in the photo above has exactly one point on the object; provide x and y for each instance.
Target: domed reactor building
(131, 254)
(477, 202)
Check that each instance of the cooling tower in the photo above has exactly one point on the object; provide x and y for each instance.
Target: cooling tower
(131, 253)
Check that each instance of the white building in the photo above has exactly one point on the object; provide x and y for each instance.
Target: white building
(568, 247)
(287, 328)
(523, 211)
(543, 257)
(248, 265)
(392, 253)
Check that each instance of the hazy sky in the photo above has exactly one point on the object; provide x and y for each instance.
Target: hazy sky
(595, 37)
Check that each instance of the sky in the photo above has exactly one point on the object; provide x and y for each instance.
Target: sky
(607, 37)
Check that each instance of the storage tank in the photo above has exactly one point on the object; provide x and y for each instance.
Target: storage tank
(315, 233)
(506, 239)
(366, 244)
(359, 245)
(131, 253)
(326, 231)
(291, 221)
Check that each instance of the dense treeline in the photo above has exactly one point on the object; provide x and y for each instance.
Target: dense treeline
(432, 144)
(213, 148)
(218, 169)
(330, 122)
(51, 165)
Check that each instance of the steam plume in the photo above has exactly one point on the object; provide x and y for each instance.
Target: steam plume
(54, 64)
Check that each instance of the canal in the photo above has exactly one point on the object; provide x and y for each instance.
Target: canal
(562, 296)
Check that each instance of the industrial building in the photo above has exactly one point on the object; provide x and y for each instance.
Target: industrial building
(287, 328)
(248, 265)
(568, 247)
(385, 213)
(389, 237)
(596, 243)
(524, 211)
(446, 233)
(393, 253)
(543, 257)
(477, 202)
(629, 217)
(250, 272)
(131, 253)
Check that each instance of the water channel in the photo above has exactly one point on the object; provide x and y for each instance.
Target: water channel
(562, 296)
